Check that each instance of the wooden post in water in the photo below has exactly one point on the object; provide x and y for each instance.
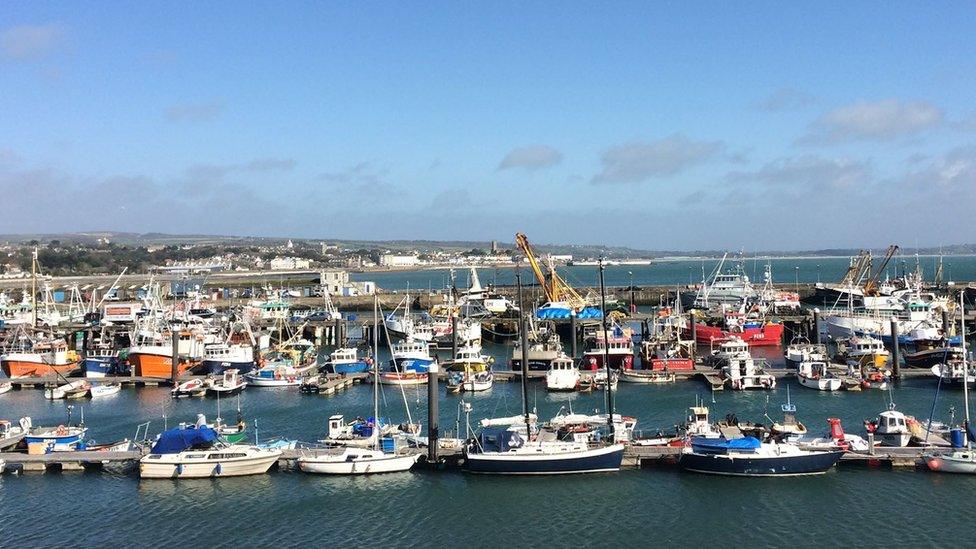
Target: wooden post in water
(574, 331)
(816, 325)
(895, 351)
(175, 371)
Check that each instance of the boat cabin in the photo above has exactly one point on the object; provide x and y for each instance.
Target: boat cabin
(344, 355)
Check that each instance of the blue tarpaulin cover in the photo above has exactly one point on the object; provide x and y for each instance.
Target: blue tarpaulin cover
(550, 313)
(176, 440)
(721, 444)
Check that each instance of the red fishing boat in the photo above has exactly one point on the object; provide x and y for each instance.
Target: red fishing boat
(755, 332)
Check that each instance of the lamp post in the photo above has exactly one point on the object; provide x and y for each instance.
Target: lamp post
(796, 277)
(633, 302)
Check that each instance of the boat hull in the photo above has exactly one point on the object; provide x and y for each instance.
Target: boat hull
(99, 367)
(952, 463)
(746, 466)
(597, 460)
(19, 369)
(335, 466)
(153, 365)
(217, 367)
(349, 368)
(170, 466)
(767, 335)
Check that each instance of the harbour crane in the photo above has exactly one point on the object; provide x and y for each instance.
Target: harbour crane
(555, 288)
(871, 286)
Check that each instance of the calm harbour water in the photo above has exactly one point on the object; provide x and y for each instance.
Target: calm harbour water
(660, 273)
(850, 505)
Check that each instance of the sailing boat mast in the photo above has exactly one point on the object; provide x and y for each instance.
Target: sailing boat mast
(606, 349)
(376, 374)
(965, 365)
(34, 288)
(525, 353)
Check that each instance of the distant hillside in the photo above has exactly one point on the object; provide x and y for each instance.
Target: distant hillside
(577, 250)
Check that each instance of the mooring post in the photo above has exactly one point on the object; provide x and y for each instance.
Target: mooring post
(946, 325)
(176, 356)
(816, 325)
(573, 331)
(895, 352)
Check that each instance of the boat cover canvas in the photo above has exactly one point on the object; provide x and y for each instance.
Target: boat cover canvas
(177, 440)
(499, 440)
(550, 313)
(713, 444)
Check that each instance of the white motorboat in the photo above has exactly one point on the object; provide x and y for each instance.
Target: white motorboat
(470, 381)
(229, 384)
(11, 434)
(196, 452)
(563, 375)
(278, 375)
(357, 461)
(892, 429)
(99, 390)
(74, 389)
(952, 372)
(192, 387)
(741, 370)
(815, 375)
(631, 375)
(5, 387)
(805, 352)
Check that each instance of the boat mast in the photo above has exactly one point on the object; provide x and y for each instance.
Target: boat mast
(376, 374)
(606, 349)
(525, 353)
(965, 365)
(34, 288)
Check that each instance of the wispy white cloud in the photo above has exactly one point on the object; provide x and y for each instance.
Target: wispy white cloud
(531, 158)
(874, 120)
(28, 42)
(640, 161)
(954, 170)
(809, 171)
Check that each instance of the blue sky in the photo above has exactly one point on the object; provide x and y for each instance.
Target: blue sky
(654, 125)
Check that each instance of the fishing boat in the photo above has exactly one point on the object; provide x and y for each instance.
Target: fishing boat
(469, 358)
(615, 345)
(748, 456)
(235, 351)
(74, 389)
(278, 375)
(10, 434)
(646, 376)
(804, 351)
(192, 387)
(756, 332)
(544, 347)
(816, 375)
(411, 355)
(891, 428)
(100, 362)
(40, 358)
(927, 358)
(789, 429)
(61, 438)
(470, 381)
(863, 351)
(230, 383)
(197, 452)
(731, 287)
(563, 375)
(345, 360)
(360, 461)
(954, 372)
(740, 370)
(100, 390)
(151, 354)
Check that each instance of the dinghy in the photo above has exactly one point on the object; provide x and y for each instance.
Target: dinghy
(75, 389)
(99, 390)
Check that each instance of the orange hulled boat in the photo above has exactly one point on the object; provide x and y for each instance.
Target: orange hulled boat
(46, 358)
(152, 354)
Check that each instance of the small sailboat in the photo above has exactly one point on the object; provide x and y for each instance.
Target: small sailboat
(961, 459)
(470, 381)
(361, 461)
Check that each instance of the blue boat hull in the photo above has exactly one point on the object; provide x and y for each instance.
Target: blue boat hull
(103, 366)
(349, 368)
(421, 366)
(743, 465)
(525, 465)
(218, 366)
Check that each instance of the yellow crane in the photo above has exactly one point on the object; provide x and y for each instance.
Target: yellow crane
(555, 288)
(871, 286)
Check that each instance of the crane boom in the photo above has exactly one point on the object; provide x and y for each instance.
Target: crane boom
(871, 286)
(555, 288)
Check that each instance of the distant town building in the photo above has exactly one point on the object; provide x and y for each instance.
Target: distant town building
(334, 281)
(194, 267)
(566, 257)
(494, 247)
(289, 264)
(393, 260)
